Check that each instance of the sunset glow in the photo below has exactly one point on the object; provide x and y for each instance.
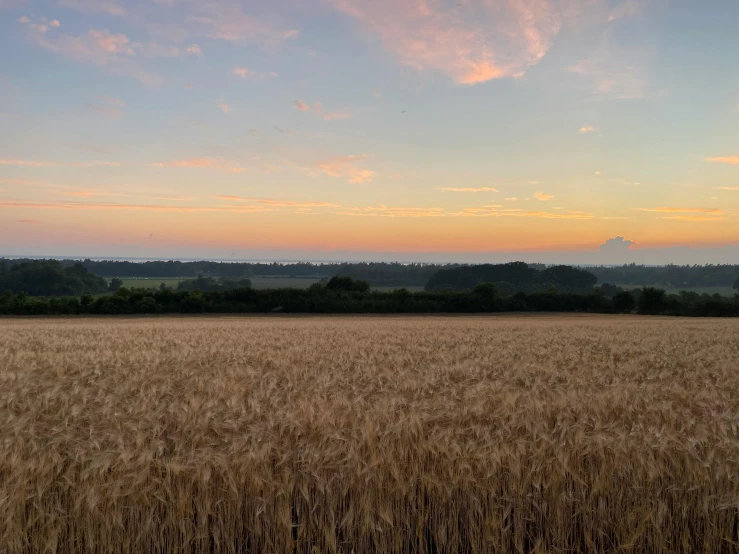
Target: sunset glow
(247, 129)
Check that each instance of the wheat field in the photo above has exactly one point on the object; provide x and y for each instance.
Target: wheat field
(369, 434)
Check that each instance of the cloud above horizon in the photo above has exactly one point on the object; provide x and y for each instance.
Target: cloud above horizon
(467, 189)
(732, 160)
(218, 164)
(345, 167)
(664, 209)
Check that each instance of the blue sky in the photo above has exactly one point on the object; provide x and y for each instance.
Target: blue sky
(406, 129)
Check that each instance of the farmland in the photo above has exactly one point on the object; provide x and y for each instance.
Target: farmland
(259, 283)
(369, 434)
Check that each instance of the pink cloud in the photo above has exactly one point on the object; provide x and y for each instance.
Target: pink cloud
(224, 107)
(100, 47)
(473, 42)
(41, 27)
(302, 106)
(194, 49)
(240, 72)
(204, 163)
(588, 129)
(25, 221)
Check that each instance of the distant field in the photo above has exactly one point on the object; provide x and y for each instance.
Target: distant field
(725, 291)
(304, 282)
(257, 283)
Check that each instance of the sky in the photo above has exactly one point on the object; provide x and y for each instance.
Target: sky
(581, 131)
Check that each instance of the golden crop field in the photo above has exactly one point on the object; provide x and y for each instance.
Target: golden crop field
(369, 434)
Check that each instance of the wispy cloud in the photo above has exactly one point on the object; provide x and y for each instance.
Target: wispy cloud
(224, 107)
(727, 188)
(106, 110)
(493, 210)
(99, 47)
(94, 6)
(226, 20)
(39, 26)
(277, 203)
(627, 8)
(329, 116)
(156, 50)
(542, 196)
(467, 189)
(694, 218)
(732, 160)
(669, 209)
(344, 167)
(95, 206)
(240, 72)
(35, 163)
(218, 164)
(472, 42)
(194, 49)
(29, 221)
(615, 70)
(387, 211)
(110, 106)
(318, 109)
(588, 129)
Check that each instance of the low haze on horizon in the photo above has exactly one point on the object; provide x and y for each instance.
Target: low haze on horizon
(573, 131)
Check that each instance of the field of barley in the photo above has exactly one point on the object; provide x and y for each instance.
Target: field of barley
(369, 435)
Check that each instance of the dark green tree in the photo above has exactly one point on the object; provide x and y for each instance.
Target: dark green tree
(115, 284)
(652, 301)
(624, 302)
(347, 284)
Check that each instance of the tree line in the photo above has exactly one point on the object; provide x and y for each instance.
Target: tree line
(513, 277)
(49, 278)
(396, 274)
(344, 295)
(59, 277)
